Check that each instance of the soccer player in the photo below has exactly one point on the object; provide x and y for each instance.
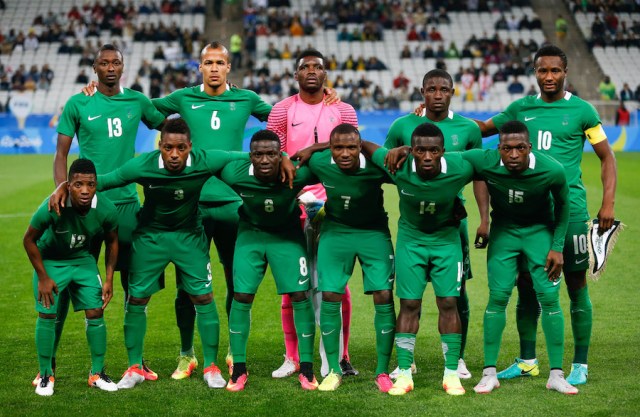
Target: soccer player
(530, 201)
(428, 247)
(558, 124)
(59, 248)
(460, 134)
(304, 122)
(268, 233)
(106, 125)
(355, 226)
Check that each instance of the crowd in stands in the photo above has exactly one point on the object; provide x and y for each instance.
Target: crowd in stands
(22, 80)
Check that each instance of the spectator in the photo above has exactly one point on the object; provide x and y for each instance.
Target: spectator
(400, 81)
(235, 48)
(513, 23)
(31, 41)
(428, 52)
(467, 80)
(264, 70)
(46, 77)
(158, 53)
(344, 35)
(515, 87)
(485, 82)
(622, 115)
(412, 35)
(405, 53)
(137, 86)
(272, 52)
(375, 65)
(607, 89)
(286, 52)
(155, 88)
(561, 28)
(296, 28)
(452, 51)
(82, 77)
(626, 93)
(572, 89)
(443, 18)
(598, 30)
(501, 23)
(86, 60)
(434, 35)
(532, 91)
(636, 94)
(416, 95)
(524, 23)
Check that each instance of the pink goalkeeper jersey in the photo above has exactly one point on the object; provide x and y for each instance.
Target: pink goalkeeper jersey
(299, 125)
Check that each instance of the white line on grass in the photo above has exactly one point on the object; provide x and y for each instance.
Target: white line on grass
(13, 215)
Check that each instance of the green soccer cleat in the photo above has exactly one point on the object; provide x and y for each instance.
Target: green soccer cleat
(519, 368)
(578, 375)
(186, 365)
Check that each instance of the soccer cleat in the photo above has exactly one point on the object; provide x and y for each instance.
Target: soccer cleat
(487, 384)
(238, 385)
(463, 372)
(330, 383)
(578, 375)
(557, 382)
(451, 384)
(384, 382)
(519, 368)
(213, 377)
(394, 374)
(347, 368)
(306, 384)
(45, 386)
(186, 365)
(36, 380)
(149, 375)
(229, 361)
(131, 377)
(403, 384)
(101, 380)
(288, 368)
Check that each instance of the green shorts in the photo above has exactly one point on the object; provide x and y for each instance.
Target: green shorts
(417, 263)
(284, 252)
(152, 251)
(82, 281)
(576, 250)
(337, 255)
(510, 248)
(220, 222)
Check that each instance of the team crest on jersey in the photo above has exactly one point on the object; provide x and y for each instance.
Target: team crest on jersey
(332, 119)
(565, 120)
(454, 140)
(129, 113)
(178, 195)
(232, 106)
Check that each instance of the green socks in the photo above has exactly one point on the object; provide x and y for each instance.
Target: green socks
(464, 313)
(581, 323)
(384, 322)
(185, 318)
(304, 320)
(239, 326)
(209, 328)
(495, 318)
(527, 313)
(553, 327)
(330, 325)
(405, 345)
(64, 299)
(97, 338)
(45, 334)
(451, 349)
(135, 327)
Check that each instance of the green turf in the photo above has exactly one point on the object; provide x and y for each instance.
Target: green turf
(612, 388)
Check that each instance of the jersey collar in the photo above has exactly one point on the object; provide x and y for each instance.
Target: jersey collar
(251, 170)
(95, 90)
(94, 201)
(449, 115)
(363, 161)
(225, 84)
(532, 161)
(443, 165)
(161, 162)
(567, 95)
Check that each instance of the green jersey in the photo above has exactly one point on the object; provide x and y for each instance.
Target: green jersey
(538, 195)
(427, 206)
(460, 133)
(170, 200)
(216, 123)
(106, 128)
(559, 129)
(271, 206)
(67, 239)
(353, 199)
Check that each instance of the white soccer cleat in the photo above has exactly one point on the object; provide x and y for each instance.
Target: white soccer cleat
(487, 384)
(394, 374)
(463, 372)
(288, 368)
(557, 382)
(132, 377)
(102, 381)
(45, 386)
(213, 377)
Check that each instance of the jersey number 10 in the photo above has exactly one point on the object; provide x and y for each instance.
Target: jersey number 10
(544, 140)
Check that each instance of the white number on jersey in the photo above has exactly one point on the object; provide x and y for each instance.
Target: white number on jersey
(544, 140)
(303, 266)
(347, 199)
(516, 196)
(115, 127)
(429, 208)
(579, 244)
(215, 120)
(77, 241)
(268, 205)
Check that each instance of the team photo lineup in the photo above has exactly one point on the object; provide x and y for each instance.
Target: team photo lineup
(305, 205)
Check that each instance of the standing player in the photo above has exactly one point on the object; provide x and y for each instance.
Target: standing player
(268, 233)
(529, 197)
(59, 248)
(106, 125)
(355, 226)
(460, 134)
(428, 247)
(302, 121)
(558, 124)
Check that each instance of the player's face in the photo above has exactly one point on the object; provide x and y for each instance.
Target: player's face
(550, 74)
(108, 67)
(214, 66)
(82, 188)
(514, 151)
(310, 74)
(265, 157)
(175, 149)
(427, 152)
(437, 93)
(345, 150)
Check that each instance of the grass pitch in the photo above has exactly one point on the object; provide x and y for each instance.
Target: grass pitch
(612, 389)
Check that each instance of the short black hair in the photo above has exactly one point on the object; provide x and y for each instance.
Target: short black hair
(550, 50)
(82, 166)
(108, 47)
(214, 45)
(437, 73)
(307, 52)
(176, 126)
(265, 134)
(344, 129)
(514, 127)
(427, 130)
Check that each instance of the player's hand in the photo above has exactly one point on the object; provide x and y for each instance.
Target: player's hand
(396, 157)
(330, 96)
(605, 218)
(107, 293)
(554, 264)
(58, 197)
(482, 236)
(287, 171)
(46, 288)
(90, 89)
(419, 110)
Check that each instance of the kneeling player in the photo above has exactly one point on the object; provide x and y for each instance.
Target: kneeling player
(59, 250)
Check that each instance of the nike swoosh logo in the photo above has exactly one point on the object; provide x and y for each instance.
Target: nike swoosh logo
(491, 312)
(491, 182)
(93, 118)
(303, 282)
(193, 106)
(383, 331)
(553, 313)
(328, 333)
(207, 285)
(234, 332)
(391, 279)
(402, 191)
(556, 282)
(296, 124)
(526, 119)
(306, 335)
(62, 231)
(327, 186)
(245, 195)
(458, 289)
(154, 187)
(580, 261)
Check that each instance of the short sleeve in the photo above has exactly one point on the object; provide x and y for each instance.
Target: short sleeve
(68, 124)
(42, 218)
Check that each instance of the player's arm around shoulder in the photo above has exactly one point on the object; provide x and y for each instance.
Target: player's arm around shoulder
(260, 108)
(151, 116)
(169, 104)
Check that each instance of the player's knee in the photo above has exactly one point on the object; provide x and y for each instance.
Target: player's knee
(242, 297)
(94, 313)
(575, 280)
(138, 301)
(447, 305)
(410, 307)
(499, 298)
(298, 296)
(383, 297)
(549, 301)
(332, 297)
(201, 299)
(47, 316)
